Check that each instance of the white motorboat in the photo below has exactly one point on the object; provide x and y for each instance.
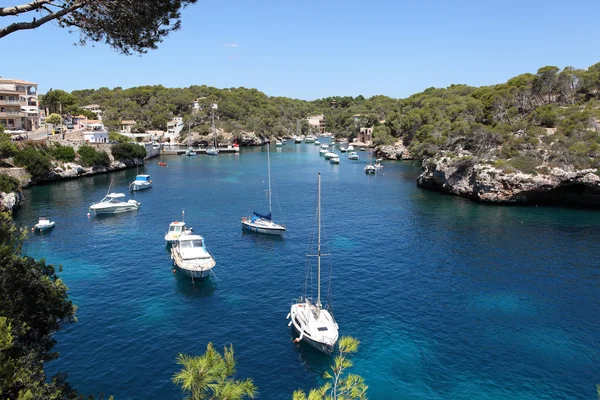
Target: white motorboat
(141, 182)
(317, 142)
(335, 159)
(378, 164)
(190, 152)
(353, 156)
(190, 255)
(343, 149)
(313, 322)
(329, 154)
(350, 148)
(176, 229)
(370, 169)
(278, 144)
(114, 203)
(263, 223)
(309, 139)
(297, 139)
(43, 224)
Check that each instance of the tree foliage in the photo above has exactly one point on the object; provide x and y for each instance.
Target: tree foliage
(8, 183)
(128, 151)
(128, 26)
(35, 159)
(90, 157)
(210, 376)
(339, 386)
(33, 306)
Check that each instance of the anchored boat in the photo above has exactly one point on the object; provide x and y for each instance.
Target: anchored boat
(314, 323)
(114, 203)
(192, 258)
(141, 182)
(263, 223)
(43, 224)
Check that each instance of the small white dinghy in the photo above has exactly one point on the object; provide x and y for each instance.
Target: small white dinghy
(43, 224)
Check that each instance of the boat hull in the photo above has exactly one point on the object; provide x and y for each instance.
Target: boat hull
(194, 274)
(137, 188)
(44, 227)
(261, 229)
(322, 347)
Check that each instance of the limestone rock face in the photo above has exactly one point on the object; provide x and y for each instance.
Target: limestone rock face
(9, 201)
(480, 181)
(250, 139)
(394, 152)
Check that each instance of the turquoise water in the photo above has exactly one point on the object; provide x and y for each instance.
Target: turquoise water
(450, 299)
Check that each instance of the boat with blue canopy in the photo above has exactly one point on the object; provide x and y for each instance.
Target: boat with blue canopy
(263, 223)
(141, 182)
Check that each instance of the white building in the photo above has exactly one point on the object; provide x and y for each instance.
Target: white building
(174, 128)
(95, 133)
(95, 108)
(19, 107)
(317, 121)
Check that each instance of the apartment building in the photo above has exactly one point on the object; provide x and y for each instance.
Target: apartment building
(317, 121)
(19, 107)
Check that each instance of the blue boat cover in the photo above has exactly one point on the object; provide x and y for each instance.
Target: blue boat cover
(267, 216)
(144, 178)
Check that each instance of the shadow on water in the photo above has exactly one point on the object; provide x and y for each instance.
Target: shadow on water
(312, 359)
(197, 288)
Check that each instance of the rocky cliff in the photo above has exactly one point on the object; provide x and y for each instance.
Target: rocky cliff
(481, 180)
(393, 152)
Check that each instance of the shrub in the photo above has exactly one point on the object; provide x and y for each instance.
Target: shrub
(8, 183)
(90, 157)
(525, 164)
(34, 160)
(127, 151)
(63, 153)
(117, 137)
(7, 147)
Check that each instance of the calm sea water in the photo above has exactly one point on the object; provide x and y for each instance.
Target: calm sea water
(450, 299)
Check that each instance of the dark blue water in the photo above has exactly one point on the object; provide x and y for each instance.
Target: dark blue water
(450, 299)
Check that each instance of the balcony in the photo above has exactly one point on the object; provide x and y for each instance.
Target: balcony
(12, 114)
(13, 102)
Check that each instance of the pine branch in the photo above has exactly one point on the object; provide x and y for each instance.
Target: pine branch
(18, 26)
(23, 8)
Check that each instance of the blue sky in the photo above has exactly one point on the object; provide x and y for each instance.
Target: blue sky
(310, 49)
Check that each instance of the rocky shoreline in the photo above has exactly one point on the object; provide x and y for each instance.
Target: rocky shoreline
(65, 171)
(483, 182)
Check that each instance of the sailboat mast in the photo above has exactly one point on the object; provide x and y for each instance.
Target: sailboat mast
(319, 245)
(214, 130)
(269, 168)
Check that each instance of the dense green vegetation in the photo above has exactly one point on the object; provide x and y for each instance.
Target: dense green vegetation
(62, 153)
(33, 306)
(128, 151)
(117, 137)
(550, 117)
(8, 183)
(35, 158)
(90, 157)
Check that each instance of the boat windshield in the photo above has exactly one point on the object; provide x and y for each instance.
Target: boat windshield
(175, 228)
(191, 244)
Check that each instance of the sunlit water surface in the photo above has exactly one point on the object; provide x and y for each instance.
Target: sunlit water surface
(450, 299)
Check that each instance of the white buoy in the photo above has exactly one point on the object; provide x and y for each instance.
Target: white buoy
(88, 214)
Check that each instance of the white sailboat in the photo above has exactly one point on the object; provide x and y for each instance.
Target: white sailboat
(214, 150)
(263, 223)
(314, 323)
